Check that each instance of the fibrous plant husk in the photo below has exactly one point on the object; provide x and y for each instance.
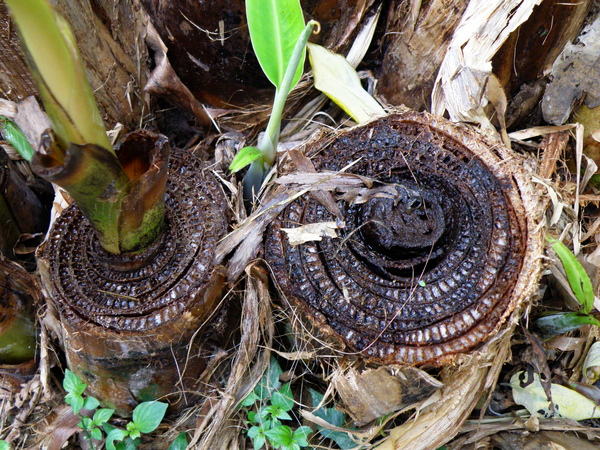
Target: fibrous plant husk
(143, 325)
(462, 322)
(110, 38)
(410, 62)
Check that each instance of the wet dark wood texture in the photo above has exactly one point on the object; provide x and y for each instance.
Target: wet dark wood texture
(415, 276)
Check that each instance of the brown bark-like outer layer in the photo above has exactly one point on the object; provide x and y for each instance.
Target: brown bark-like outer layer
(418, 278)
(209, 44)
(21, 211)
(129, 320)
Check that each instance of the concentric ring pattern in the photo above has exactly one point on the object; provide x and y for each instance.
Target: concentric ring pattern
(423, 269)
(93, 286)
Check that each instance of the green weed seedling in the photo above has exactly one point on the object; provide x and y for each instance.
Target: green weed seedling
(581, 285)
(4, 445)
(146, 418)
(75, 399)
(279, 38)
(273, 403)
(335, 418)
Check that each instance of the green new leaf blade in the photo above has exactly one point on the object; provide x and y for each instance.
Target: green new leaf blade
(116, 434)
(561, 323)
(244, 157)
(274, 27)
(72, 384)
(91, 403)
(4, 445)
(15, 137)
(103, 415)
(283, 398)
(337, 79)
(147, 416)
(580, 282)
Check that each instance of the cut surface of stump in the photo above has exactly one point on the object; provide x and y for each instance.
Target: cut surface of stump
(130, 321)
(429, 262)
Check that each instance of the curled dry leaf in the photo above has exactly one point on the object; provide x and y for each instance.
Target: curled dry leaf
(312, 232)
(574, 77)
(591, 364)
(373, 393)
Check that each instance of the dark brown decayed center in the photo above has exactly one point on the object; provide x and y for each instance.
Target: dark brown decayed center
(414, 276)
(144, 291)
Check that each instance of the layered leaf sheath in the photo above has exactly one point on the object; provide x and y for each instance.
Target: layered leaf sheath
(431, 251)
(134, 324)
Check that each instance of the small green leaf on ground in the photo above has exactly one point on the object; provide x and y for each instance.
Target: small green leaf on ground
(102, 416)
(280, 435)
(283, 398)
(86, 423)
(257, 434)
(116, 434)
(300, 436)
(15, 137)
(91, 403)
(269, 381)
(335, 418)
(580, 282)
(147, 416)
(73, 384)
(96, 433)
